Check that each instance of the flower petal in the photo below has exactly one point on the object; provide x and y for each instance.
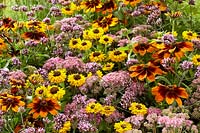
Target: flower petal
(178, 100)
(169, 100)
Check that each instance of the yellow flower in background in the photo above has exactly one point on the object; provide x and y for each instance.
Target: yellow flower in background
(174, 14)
(91, 5)
(40, 91)
(196, 59)
(8, 102)
(89, 74)
(108, 66)
(174, 33)
(66, 127)
(99, 73)
(105, 22)
(132, 2)
(96, 33)
(3, 45)
(93, 107)
(117, 55)
(122, 127)
(36, 25)
(105, 39)
(73, 43)
(84, 45)
(138, 108)
(57, 76)
(107, 110)
(55, 92)
(97, 56)
(189, 35)
(36, 79)
(76, 80)
(69, 10)
(86, 35)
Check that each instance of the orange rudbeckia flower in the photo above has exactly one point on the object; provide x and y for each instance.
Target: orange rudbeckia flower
(41, 107)
(91, 5)
(132, 2)
(143, 48)
(169, 93)
(108, 7)
(10, 102)
(105, 22)
(34, 35)
(176, 50)
(143, 71)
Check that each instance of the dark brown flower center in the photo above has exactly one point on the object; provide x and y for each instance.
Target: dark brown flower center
(117, 53)
(56, 73)
(139, 107)
(123, 125)
(10, 100)
(189, 34)
(96, 54)
(43, 103)
(198, 59)
(93, 106)
(77, 77)
(96, 31)
(84, 43)
(107, 108)
(108, 65)
(105, 39)
(74, 42)
(54, 90)
(41, 91)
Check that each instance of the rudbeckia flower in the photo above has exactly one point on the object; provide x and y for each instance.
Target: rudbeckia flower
(36, 25)
(57, 76)
(73, 43)
(7, 24)
(107, 7)
(138, 108)
(108, 66)
(84, 45)
(122, 127)
(76, 80)
(196, 59)
(66, 127)
(161, 5)
(34, 35)
(10, 102)
(107, 110)
(41, 107)
(91, 5)
(117, 56)
(143, 71)
(105, 39)
(105, 22)
(97, 56)
(169, 93)
(132, 2)
(55, 92)
(189, 35)
(176, 50)
(96, 33)
(36, 79)
(3, 45)
(143, 48)
(93, 107)
(40, 91)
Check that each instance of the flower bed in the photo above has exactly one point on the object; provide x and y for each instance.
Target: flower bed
(124, 66)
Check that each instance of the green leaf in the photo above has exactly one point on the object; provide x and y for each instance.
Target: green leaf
(162, 78)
